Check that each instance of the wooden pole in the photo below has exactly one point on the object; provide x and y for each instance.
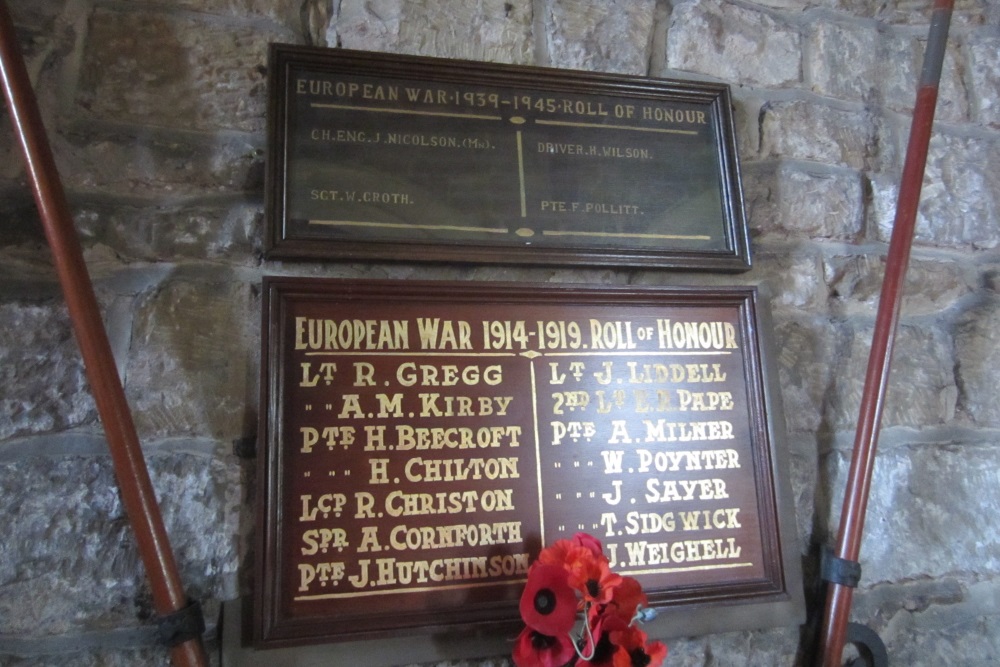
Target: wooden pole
(852, 517)
(130, 466)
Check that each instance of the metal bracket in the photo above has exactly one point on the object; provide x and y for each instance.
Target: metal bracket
(870, 646)
(181, 626)
(838, 570)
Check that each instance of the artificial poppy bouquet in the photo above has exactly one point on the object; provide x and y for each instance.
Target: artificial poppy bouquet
(571, 579)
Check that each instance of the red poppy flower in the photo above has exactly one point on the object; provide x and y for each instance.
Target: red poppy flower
(599, 647)
(548, 602)
(591, 576)
(580, 562)
(557, 553)
(535, 649)
(590, 543)
(626, 598)
(633, 650)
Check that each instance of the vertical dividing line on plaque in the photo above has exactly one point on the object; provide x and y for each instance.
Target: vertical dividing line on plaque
(520, 174)
(538, 454)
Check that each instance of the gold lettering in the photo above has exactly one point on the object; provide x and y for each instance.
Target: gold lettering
(438, 334)
(669, 490)
(675, 460)
(325, 334)
(456, 437)
(419, 469)
(674, 335)
(399, 503)
(403, 537)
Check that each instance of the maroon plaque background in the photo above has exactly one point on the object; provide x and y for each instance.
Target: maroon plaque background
(422, 441)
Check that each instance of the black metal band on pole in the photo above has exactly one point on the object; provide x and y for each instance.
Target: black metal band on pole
(136, 488)
(852, 518)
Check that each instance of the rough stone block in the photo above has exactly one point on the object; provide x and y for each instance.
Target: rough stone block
(960, 197)
(859, 8)
(44, 41)
(27, 274)
(863, 63)
(855, 284)
(984, 55)
(192, 362)
(991, 278)
(201, 498)
(796, 201)
(978, 357)
(37, 15)
(598, 36)
(803, 469)
(794, 5)
(733, 43)
(746, 121)
(896, 70)
(842, 60)
(807, 131)
(172, 233)
(968, 635)
(157, 69)
(796, 280)
(493, 31)
(921, 391)
(929, 512)
(43, 386)
(906, 12)
(945, 621)
(10, 158)
(806, 369)
(70, 563)
(286, 12)
(953, 103)
(107, 657)
(735, 649)
(897, 83)
(158, 164)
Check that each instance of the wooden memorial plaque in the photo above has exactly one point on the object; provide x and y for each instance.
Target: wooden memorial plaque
(377, 156)
(422, 441)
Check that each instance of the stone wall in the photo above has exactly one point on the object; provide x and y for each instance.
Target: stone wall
(156, 112)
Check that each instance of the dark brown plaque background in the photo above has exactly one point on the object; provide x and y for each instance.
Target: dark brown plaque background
(421, 441)
(376, 156)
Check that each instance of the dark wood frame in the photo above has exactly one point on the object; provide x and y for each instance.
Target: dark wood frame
(775, 599)
(281, 243)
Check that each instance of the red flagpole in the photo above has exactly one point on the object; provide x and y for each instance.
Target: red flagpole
(130, 466)
(852, 518)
